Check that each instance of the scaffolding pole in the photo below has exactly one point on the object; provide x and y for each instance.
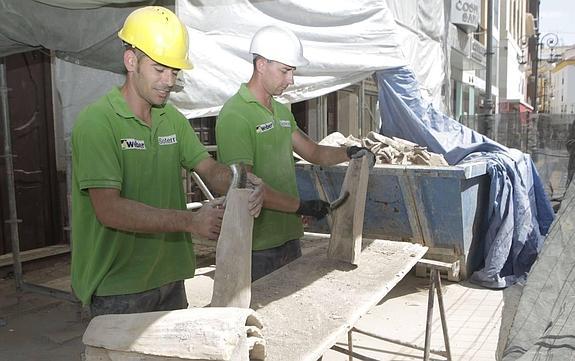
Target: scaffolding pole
(11, 191)
(12, 220)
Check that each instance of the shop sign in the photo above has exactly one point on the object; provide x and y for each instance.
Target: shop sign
(465, 14)
(477, 52)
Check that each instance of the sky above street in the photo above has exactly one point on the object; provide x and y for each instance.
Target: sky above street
(557, 16)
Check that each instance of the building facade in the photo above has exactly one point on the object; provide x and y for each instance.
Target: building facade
(467, 57)
(513, 35)
(509, 62)
(562, 85)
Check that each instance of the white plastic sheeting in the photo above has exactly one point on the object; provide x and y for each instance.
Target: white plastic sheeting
(423, 27)
(76, 86)
(85, 4)
(345, 41)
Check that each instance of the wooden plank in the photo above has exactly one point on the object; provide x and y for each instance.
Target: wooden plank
(463, 171)
(347, 227)
(416, 191)
(414, 204)
(308, 304)
(451, 273)
(411, 208)
(437, 264)
(212, 333)
(437, 256)
(232, 281)
(37, 253)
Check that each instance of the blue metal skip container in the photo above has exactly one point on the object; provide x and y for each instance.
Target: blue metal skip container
(440, 207)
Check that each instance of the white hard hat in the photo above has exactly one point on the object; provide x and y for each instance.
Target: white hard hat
(278, 44)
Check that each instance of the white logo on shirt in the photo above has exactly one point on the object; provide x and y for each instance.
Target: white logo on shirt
(167, 140)
(130, 143)
(285, 123)
(264, 127)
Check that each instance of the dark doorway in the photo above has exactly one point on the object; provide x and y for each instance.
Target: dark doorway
(205, 129)
(300, 112)
(35, 175)
(332, 116)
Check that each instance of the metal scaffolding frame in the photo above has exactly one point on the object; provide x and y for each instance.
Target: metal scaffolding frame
(13, 220)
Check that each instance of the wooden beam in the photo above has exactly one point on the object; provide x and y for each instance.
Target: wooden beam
(194, 334)
(37, 253)
(347, 228)
(233, 279)
(309, 304)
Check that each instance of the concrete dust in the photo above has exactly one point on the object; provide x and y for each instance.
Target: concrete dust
(41, 328)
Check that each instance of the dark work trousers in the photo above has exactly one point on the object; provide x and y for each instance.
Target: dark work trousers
(166, 298)
(269, 260)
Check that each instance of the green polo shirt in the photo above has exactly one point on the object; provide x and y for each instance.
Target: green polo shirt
(112, 148)
(248, 132)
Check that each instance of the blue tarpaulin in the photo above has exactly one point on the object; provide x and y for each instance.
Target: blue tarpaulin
(518, 214)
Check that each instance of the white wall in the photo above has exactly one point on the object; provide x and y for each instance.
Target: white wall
(515, 81)
(563, 83)
(512, 82)
(74, 87)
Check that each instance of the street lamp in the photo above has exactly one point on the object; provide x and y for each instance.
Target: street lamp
(523, 58)
(487, 102)
(551, 40)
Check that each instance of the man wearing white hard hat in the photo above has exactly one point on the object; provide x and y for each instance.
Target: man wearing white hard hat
(257, 130)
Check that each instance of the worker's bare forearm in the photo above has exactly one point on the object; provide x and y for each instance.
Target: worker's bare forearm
(139, 217)
(132, 216)
(327, 155)
(278, 201)
(315, 153)
(216, 175)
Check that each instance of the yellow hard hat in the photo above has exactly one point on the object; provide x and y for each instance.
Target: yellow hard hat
(159, 33)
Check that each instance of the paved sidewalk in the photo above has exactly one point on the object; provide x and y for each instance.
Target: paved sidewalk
(473, 321)
(40, 328)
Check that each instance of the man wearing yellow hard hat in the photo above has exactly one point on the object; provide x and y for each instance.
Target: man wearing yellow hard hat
(131, 243)
(255, 129)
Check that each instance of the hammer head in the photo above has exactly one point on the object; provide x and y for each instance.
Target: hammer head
(239, 176)
(338, 202)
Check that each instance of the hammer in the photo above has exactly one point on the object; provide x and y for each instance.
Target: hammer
(339, 201)
(239, 178)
